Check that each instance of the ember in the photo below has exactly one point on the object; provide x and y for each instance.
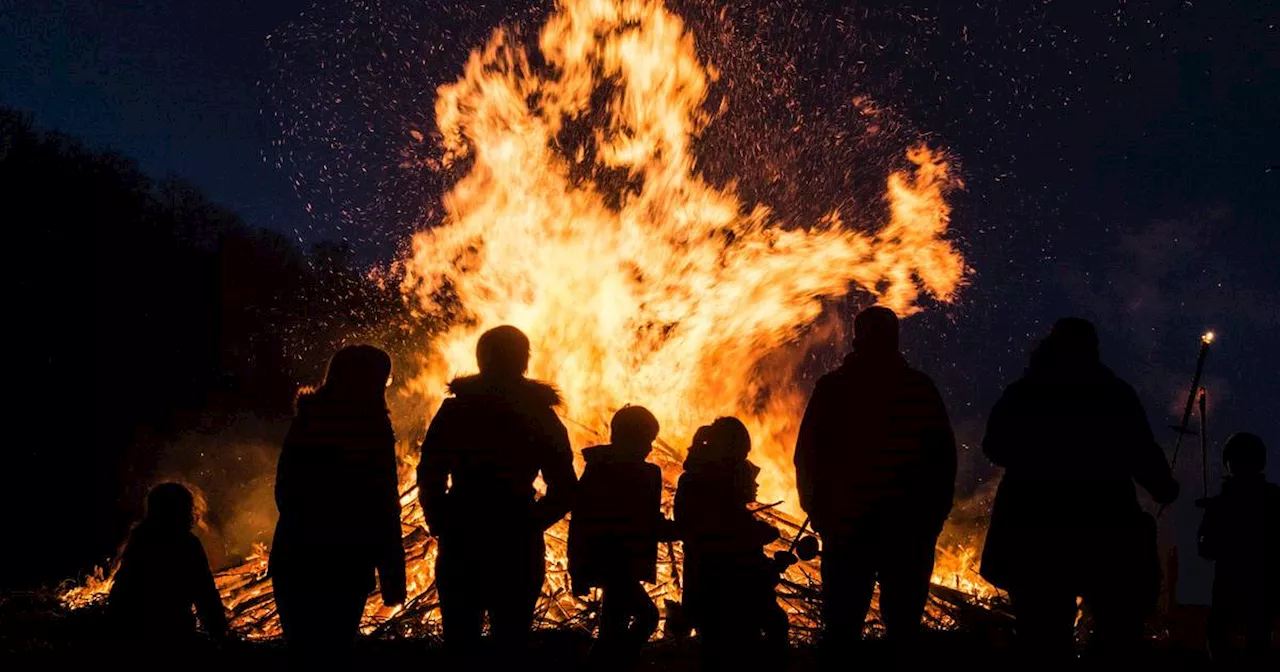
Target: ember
(635, 278)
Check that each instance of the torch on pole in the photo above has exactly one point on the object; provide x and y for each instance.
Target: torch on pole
(1183, 428)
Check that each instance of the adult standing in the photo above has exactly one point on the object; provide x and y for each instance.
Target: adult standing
(483, 451)
(338, 497)
(875, 466)
(1073, 438)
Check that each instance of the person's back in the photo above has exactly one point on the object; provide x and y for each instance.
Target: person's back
(482, 453)
(1241, 534)
(614, 532)
(729, 589)
(493, 438)
(875, 468)
(1066, 522)
(879, 443)
(163, 573)
(337, 492)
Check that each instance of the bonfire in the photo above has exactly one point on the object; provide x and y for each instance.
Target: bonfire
(580, 217)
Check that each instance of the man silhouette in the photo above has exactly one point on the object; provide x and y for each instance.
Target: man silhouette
(482, 453)
(1066, 523)
(875, 466)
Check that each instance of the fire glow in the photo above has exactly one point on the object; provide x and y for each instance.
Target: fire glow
(582, 219)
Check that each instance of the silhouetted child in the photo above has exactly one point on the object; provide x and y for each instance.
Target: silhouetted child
(729, 590)
(164, 573)
(614, 532)
(1241, 534)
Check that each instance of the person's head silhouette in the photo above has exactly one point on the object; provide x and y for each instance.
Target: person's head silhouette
(1072, 345)
(171, 506)
(358, 372)
(502, 353)
(634, 430)
(875, 330)
(1244, 454)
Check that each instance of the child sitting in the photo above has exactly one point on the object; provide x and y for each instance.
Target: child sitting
(729, 582)
(163, 573)
(614, 532)
(1241, 534)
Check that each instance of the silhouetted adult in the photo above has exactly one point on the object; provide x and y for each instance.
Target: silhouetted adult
(163, 573)
(1241, 534)
(875, 466)
(729, 584)
(482, 453)
(1067, 523)
(338, 497)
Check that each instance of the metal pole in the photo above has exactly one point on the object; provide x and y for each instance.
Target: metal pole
(1182, 428)
(1204, 441)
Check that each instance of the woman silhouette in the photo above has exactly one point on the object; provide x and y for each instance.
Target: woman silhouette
(338, 497)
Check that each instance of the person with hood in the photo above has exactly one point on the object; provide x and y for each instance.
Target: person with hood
(1240, 533)
(338, 495)
(163, 573)
(1066, 523)
(483, 451)
(614, 532)
(729, 584)
(875, 468)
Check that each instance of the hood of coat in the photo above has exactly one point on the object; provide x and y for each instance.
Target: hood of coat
(527, 390)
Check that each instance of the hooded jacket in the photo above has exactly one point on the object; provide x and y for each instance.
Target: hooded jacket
(484, 449)
(617, 520)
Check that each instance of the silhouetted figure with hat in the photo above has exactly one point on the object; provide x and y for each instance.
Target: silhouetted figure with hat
(338, 495)
(875, 467)
(729, 584)
(1241, 534)
(1066, 523)
(614, 532)
(483, 451)
(163, 573)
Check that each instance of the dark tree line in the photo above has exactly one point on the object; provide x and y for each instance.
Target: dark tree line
(139, 310)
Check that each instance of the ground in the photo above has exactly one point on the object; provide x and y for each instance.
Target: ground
(36, 634)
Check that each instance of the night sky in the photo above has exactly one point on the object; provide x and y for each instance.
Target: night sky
(1121, 160)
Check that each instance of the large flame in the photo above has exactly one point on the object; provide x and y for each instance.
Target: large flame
(635, 279)
(582, 219)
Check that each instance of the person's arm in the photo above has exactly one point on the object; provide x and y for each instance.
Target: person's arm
(207, 600)
(940, 450)
(434, 466)
(807, 445)
(1003, 434)
(391, 571)
(1207, 535)
(1147, 463)
(557, 473)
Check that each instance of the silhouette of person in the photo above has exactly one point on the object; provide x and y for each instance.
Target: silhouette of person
(1241, 534)
(875, 467)
(614, 532)
(163, 573)
(482, 453)
(1066, 523)
(339, 501)
(729, 584)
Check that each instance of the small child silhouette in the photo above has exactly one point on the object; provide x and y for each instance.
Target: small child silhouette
(1241, 534)
(730, 584)
(614, 534)
(163, 573)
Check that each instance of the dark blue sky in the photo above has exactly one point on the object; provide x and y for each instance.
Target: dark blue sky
(1121, 160)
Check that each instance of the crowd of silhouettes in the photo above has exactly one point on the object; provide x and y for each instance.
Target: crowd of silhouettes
(875, 466)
